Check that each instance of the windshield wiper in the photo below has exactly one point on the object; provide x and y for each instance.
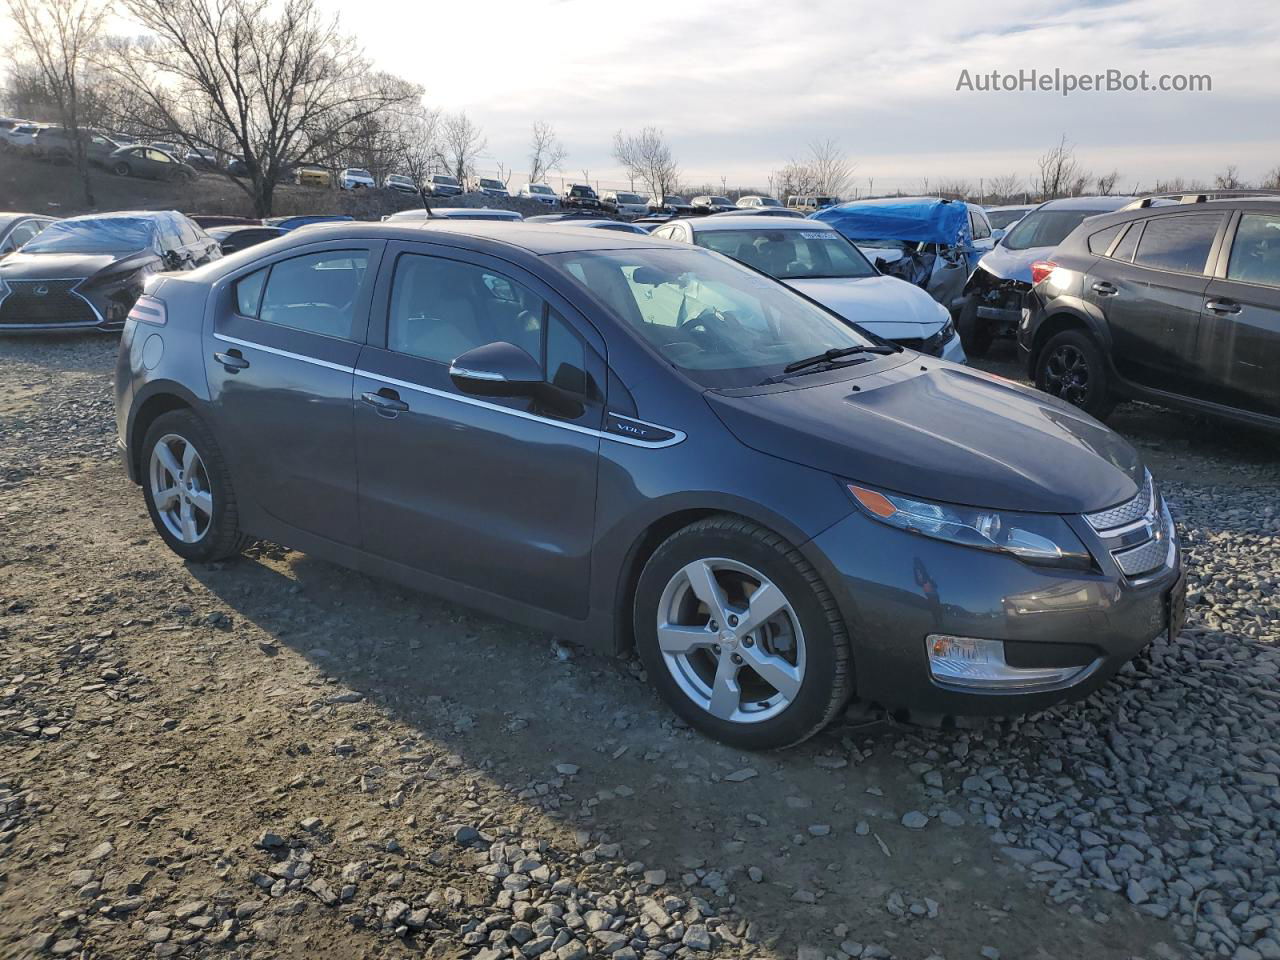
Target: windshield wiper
(829, 356)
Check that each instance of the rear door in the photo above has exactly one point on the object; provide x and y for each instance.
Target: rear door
(496, 493)
(1239, 339)
(280, 357)
(1152, 304)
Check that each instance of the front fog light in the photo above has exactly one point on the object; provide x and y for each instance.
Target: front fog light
(980, 665)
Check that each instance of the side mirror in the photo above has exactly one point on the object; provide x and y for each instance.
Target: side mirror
(498, 369)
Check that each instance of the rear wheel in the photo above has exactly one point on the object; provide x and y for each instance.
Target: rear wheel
(121, 169)
(975, 332)
(188, 489)
(1072, 368)
(740, 635)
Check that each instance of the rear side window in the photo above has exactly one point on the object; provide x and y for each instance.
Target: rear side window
(1099, 242)
(1180, 244)
(1255, 252)
(1128, 243)
(316, 293)
(249, 292)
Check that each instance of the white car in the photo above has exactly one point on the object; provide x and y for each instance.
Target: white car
(755, 201)
(21, 138)
(631, 204)
(817, 261)
(356, 178)
(540, 192)
(400, 182)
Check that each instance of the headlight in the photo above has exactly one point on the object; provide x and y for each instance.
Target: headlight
(1033, 537)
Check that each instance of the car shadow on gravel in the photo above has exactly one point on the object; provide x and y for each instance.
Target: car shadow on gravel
(813, 843)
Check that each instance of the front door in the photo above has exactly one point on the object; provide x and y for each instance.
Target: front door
(1240, 325)
(1152, 304)
(280, 358)
(496, 493)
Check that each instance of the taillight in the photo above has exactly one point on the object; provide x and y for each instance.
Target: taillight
(149, 310)
(1041, 269)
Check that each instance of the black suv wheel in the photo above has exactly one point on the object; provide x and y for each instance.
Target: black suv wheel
(1072, 368)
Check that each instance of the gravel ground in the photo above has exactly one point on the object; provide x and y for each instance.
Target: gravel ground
(279, 758)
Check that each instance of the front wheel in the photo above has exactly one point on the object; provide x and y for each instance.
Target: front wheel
(188, 489)
(1072, 368)
(121, 169)
(975, 332)
(740, 635)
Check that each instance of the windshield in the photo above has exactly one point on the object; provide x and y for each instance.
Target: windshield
(582, 192)
(447, 181)
(722, 201)
(769, 202)
(1002, 218)
(493, 184)
(355, 172)
(722, 325)
(629, 198)
(115, 235)
(540, 188)
(790, 254)
(1045, 228)
(885, 243)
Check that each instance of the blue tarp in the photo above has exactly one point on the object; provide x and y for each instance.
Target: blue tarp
(910, 220)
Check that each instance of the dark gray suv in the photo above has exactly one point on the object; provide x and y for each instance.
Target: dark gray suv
(629, 441)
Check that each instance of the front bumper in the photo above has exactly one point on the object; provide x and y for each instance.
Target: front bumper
(896, 589)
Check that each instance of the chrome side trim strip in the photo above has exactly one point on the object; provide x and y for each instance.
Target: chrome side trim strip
(283, 353)
(677, 436)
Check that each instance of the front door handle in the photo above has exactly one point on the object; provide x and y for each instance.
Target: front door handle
(386, 401)
(232, 361)
(1104, 289)
(1222, 306)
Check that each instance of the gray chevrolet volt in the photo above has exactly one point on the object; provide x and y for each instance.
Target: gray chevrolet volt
(632, 442)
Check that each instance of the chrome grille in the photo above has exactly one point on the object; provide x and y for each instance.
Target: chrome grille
(45, 301)
(1142, 505)
(1150, 555)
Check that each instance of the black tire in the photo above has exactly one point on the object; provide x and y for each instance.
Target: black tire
(975, 332)
(223, 537)
(1073, 368)
(121, 169)
(827, 681)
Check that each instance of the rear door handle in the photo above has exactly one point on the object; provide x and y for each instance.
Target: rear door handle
(1222, 306)
(231, 361)
(1102, 288)
(386, 401)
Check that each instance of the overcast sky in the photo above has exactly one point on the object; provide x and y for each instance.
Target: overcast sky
(740, 86)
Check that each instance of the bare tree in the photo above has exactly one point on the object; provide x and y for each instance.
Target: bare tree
(647, 157)
(421, 144)
(57, 38)
(953, 189)
(1058, 171)
(1107, 183)
(546, 152)
(1228, 179)
(1272, 179)
(1005, 187)
(461, 143)
(832, 170)
(275, 83)
(797, 179)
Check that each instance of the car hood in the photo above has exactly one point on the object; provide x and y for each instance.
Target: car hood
(942, 432)
(887, 306)
(62, 266)
(1012, 264)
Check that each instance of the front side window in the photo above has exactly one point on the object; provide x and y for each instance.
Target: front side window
(720, 323)
(1255, 252)
(315, 293)
(441, 308)
(790, 254)
(1180, 243)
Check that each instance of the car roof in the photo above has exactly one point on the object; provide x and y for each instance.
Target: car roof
(124, 214)
(1086, 203)
(538, 239)
(704, 224)
(1011, 206)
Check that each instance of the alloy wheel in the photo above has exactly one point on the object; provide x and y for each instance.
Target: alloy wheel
(180, 488)
(731, 640)
(1066, 374)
